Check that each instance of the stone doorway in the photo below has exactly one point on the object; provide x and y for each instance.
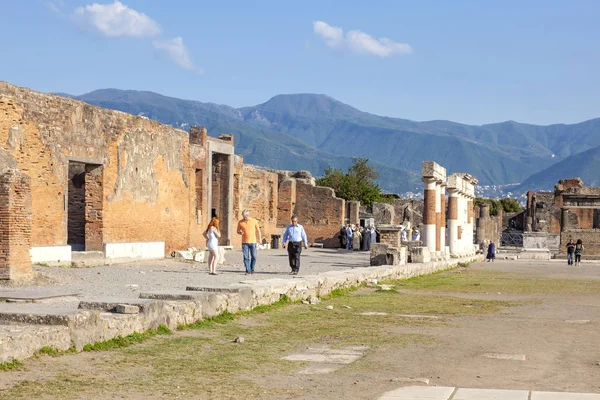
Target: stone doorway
(84, 206)
(221, 174)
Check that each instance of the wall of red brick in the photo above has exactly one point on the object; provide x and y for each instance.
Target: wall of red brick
(320, 212)
(15, 225)
(146, 168)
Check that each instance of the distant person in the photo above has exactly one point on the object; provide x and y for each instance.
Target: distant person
(296, 236)
(212, 234)
(578, 251)
(343, 236)
(416, 235)
(366, 241)
(491, 252)
(570, 252)
(403, 235)
(373, 235)
(356, 236)
(349, 236)
(251, 236)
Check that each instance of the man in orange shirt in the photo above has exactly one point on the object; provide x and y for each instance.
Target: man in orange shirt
(250, 231)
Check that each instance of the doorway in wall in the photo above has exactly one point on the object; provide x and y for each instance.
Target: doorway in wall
(84, 206)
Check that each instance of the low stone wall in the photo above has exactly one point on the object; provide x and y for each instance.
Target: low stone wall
(94, 322)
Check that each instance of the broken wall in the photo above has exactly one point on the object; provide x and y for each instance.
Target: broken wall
(146, 175)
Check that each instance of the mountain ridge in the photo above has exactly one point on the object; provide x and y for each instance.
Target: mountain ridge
(313, 131)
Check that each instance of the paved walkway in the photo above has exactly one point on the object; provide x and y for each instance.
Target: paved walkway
(452, 393)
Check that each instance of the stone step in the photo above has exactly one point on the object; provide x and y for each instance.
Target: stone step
(37, 315)
(28, 295)
(216, 289)
(87, 255)
(109, 304)
(176, 295)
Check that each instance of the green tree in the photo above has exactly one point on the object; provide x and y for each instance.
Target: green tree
(356, 184)
(507, 205)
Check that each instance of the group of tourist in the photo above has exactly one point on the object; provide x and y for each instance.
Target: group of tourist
(294, 239)
(357, 238)
(574, 251)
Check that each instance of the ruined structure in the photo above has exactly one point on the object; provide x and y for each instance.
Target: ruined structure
(461, 193)
(572, 211)
(80, 177)
(434, 210)
(318, 210)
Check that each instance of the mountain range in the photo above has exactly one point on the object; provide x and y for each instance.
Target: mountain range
(314, 131)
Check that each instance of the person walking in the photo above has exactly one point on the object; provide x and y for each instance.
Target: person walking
(251, 236)
(294, 237)
(212, 234)
(491, 253)
(578, 251)
(570, 252)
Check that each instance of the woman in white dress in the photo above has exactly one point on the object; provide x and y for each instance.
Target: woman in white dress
(212, 243)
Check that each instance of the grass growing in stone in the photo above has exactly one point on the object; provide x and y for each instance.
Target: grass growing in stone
(482, 281)
(125, 341)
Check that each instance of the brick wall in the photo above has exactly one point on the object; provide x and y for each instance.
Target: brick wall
(146, 167)
(590, 239)
(15, 225)
(258, 190)
(320, 212)
(286, 201)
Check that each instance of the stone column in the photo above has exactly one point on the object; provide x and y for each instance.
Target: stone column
(230, 194)
(15, 225)
(453, 220)
(442, 220)
(429, 214)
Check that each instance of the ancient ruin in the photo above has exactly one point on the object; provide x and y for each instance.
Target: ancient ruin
(76, 177)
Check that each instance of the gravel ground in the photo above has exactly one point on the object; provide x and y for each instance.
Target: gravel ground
(128, 280)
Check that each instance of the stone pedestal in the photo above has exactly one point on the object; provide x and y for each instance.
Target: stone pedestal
(420, 255)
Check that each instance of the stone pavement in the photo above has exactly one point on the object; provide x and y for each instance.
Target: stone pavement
(452, 393)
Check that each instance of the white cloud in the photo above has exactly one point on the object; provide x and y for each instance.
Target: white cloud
(332, 35)
(359, 42)
(116, 20)
(176, 50)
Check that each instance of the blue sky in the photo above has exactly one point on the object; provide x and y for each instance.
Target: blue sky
(467, 61)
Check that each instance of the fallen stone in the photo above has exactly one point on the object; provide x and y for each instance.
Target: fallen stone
(314, 300)
(348, 307)
(305, 302)
(317, 245)
(184, 255)
(127, 309)
(239, 339)
(133, 286)
(386, 287)
(200, 256)
(329, 308)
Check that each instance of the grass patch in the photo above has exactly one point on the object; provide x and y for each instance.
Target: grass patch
(54, 352)
(10, 365)
(222, 318)
(125, 341)
(341, 292)
(481, 281)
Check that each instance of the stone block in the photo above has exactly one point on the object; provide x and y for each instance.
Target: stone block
(184, 255)
(200, 257)
(379, 254)
(127, 309)
(420, 255)
(146, 250)
(50, 254)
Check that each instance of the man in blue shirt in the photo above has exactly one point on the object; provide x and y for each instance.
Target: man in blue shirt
(295, 235)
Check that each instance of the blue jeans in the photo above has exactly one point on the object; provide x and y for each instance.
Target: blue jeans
(570, 258)
(249, 250)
